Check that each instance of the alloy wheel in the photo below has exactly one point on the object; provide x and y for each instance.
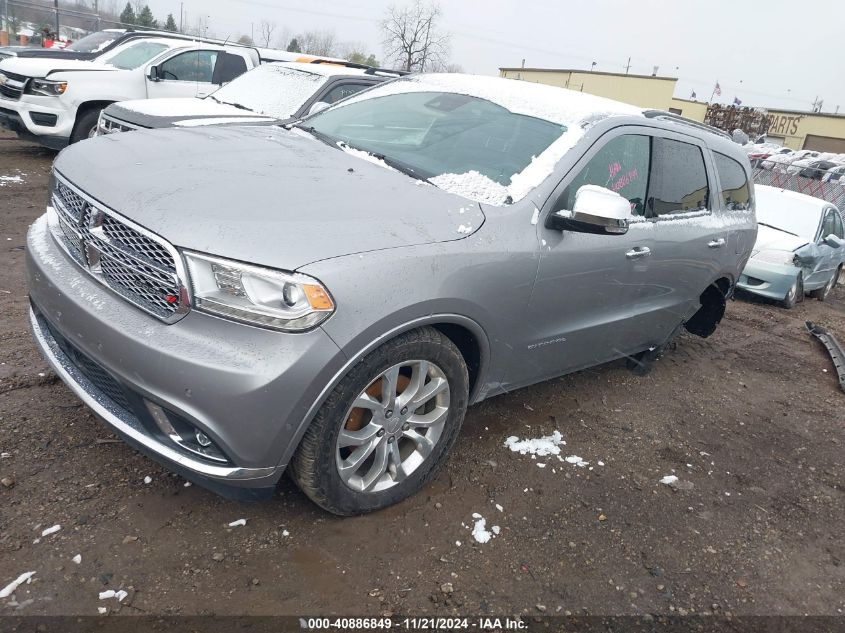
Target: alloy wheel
(392, 426)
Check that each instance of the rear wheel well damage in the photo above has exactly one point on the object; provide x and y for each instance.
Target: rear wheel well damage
(713, 300)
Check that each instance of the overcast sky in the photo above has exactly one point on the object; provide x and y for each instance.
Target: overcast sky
(752, 48)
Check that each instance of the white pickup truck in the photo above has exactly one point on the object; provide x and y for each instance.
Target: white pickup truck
(55, 102)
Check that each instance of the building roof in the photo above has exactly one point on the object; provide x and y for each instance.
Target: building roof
(589, 72)
(770, 110)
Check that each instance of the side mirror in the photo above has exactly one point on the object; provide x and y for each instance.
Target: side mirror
(833, 241)
(152, 74)
(318, 106)
(596, 210)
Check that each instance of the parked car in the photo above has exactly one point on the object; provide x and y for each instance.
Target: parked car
(88, 47)
(99, 43)
(329, 297)
(800, 247)
(835, 174)
(815, 169)
(56, 102)
(271, 93)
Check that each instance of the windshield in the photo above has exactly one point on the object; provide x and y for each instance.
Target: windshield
(464, 144)
(788, 213)
(272, 89)
(135, 55)
(95, 42)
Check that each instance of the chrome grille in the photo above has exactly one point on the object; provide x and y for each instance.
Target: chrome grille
(138, 266)
(12, 85)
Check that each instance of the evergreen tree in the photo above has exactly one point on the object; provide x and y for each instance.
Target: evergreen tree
(357, 57)
(127, 16)
(170, 23)
(293, 47)
(145, 18)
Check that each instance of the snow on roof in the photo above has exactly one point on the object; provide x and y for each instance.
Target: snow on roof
(554, 104)
(324, 70)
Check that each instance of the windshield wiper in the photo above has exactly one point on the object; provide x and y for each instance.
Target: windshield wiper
(777, 228)
(328, 139)
(398, 166)
(337, 143)
(234, 105)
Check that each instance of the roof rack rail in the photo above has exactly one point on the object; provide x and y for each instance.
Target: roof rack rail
(369, 70)
(677, 118)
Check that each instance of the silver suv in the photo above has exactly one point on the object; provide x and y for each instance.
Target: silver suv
(329, 297)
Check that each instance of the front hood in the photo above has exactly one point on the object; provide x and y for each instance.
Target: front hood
(769, 239)
(262, 194)
(155, 113)
(41, 67)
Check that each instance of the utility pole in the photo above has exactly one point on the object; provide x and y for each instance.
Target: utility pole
(628, 67)
(56, 5)
(181, 12)
(96, 4)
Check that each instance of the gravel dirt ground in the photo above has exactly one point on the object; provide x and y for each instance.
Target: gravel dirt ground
(751, 417)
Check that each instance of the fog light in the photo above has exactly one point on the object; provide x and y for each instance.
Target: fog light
(202, 439)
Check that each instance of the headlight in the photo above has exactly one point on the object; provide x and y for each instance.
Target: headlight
(46, 88)
(258, 296)
(784, 258)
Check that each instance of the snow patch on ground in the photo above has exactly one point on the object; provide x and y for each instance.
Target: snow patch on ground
(548, 445)
(9, 180)
(51, 530)
(9, 589)
(77, 559)
(479, 530)
(239, 522)
(669, 480)
(574, 459)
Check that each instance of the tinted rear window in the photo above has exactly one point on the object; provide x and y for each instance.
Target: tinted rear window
(736, 193)
(678, 182)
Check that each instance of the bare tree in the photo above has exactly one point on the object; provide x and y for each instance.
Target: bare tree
(412, 37)
(322, 43)
(266, 32)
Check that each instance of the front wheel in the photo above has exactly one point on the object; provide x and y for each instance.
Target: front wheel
(795, 294)
(86, 125)
(387, 427)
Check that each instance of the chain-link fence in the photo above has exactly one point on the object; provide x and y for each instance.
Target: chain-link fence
(832, 191)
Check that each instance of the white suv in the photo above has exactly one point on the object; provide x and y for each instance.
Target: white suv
(55, 102)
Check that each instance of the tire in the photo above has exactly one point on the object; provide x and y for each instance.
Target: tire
(795, 294)
(422, 357)
(86, 125)
(822, 293)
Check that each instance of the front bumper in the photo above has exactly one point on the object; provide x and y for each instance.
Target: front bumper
(17, 116)
(246, 388)
(767, 280)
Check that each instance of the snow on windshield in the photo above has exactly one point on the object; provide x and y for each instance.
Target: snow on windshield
(272, 89)
(788, 211)
(574, 110)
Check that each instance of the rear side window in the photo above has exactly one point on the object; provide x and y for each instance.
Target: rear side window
(678, 182)
(736, 193)
(622, 166)
(342, 91)
(837, 225)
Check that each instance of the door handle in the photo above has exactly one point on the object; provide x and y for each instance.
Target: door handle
(638, 252)
(716, 243)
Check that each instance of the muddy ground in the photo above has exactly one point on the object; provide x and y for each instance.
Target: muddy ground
(752, 417)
